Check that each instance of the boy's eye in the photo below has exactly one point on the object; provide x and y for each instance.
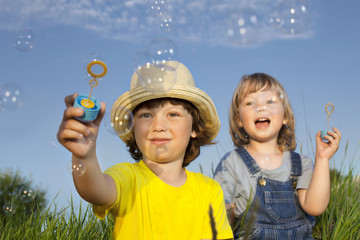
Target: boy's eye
(174, 114)
(144, 115)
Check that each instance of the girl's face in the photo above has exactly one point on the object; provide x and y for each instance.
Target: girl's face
(261, 114)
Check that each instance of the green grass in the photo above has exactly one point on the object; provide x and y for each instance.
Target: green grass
(66, 223)
(341, 220)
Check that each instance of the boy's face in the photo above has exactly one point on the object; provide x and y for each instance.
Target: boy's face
(261, 114)
(162, 133)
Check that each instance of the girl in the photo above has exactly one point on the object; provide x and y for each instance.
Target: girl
(275, 190)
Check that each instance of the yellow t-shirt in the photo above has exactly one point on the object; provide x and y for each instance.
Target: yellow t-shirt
(148, 208)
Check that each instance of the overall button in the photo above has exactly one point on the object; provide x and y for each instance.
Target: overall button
(262, 182)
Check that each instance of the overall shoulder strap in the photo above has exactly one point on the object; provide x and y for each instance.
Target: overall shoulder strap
(296, 168)
(248, 160)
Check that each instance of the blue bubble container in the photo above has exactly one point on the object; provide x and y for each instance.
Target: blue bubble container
(90, 114)
(323, 133)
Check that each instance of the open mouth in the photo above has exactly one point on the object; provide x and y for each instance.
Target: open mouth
(262, 122)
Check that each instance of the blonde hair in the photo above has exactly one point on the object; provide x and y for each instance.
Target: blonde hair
(251, 84)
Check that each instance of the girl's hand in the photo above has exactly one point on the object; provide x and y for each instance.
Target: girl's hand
(78, 137)
(325, 150)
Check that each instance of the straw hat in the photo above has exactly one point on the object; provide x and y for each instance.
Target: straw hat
(184, 88)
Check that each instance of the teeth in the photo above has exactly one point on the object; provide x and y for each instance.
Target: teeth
(262, 119)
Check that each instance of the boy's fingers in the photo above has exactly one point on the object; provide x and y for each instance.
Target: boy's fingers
(70, 127)
(77, 126)
(101, 114)
(72, 112)
(69, 100)
(69, 134)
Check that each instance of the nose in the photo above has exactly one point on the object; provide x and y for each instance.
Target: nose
(260, 107)
(158, 124)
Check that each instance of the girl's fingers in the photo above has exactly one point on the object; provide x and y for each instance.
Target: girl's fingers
(335, 134)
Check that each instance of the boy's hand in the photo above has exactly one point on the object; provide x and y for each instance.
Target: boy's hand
(79, 137)
(327, 150)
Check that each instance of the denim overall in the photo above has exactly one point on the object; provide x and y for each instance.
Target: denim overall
(275, 212)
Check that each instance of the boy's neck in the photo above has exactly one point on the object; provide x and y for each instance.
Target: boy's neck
(171, 173)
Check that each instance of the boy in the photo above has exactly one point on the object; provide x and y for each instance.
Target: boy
(155, 198)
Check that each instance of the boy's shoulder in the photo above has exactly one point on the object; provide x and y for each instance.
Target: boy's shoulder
(126, 168)
(201, 179)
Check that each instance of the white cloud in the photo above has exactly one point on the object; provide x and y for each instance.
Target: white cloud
(198, 21)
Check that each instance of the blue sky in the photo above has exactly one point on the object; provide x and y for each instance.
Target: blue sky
(317, 65)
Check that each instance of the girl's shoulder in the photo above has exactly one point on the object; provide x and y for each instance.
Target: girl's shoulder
(305, 159)
(231, 159)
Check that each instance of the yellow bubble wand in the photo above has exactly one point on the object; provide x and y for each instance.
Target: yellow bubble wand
(87, 103)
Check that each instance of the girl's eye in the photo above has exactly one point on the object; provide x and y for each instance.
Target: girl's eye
(273, 100)
(250, 103)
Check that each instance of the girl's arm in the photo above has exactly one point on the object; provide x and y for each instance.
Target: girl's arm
(230, 210)
(315, 199)
(80, 139)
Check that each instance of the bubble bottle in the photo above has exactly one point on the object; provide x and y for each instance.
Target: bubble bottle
(90, 104)
(329, 108)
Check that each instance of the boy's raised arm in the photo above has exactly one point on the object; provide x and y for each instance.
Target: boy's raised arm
(80, 139)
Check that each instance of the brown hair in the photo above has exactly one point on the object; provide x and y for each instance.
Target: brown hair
(202, 131)
(253, 83)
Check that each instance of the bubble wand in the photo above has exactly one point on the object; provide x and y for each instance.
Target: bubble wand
(90, 104)
(328, 116)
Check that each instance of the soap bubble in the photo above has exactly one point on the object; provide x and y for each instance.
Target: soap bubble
(157, 7)
(154, 76)
(157, 79)
(162, 50)
(54, 144)
(77, 168)
(142, 59)
(96, 69)
(156, 65)
(2, 108)
(122, 124)
(9, 209)
(26, 194)
(264, 161)
(243, 27)
(24, 40)
(291, 16)
(268, 101)
(166, 24)
(11, 96)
